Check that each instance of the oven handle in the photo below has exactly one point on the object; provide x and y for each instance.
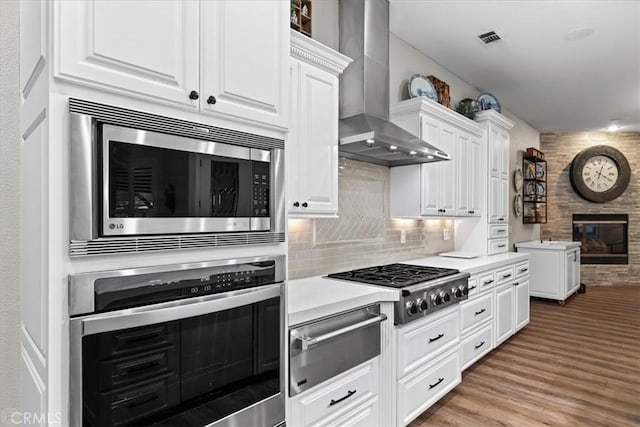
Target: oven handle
(308, 342)
(141, 316)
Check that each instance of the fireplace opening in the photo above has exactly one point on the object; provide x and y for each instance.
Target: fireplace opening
(604, 238)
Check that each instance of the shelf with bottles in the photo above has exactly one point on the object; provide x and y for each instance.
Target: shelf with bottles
(535, 214)
(301, 16)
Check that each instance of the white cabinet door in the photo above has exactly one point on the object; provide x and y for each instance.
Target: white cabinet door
(498, 174)
(475, 172)
(504, 316)
(468, 175)
(495, 201)
(430, 189)
(521, 304)
(318, 141)
(439, 179)
(245, 54)
(131, 46)
(293, 139)
(448, 182)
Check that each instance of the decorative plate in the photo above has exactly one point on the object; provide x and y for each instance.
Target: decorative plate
(540, 189)
(489, 102)
(517, 179)
(517, 205)
(539, 171)
(419, 85)
(531, 188)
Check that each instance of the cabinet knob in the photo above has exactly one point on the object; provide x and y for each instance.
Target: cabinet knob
(305, 205)
(472, 212)
(211, 100)
(296, 204)
(194, 95)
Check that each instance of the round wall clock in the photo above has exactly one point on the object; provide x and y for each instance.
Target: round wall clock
(600, 174)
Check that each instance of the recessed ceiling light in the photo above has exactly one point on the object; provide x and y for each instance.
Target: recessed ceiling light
(393, 147)
(413, 153)
(613, 128)
(579, 34)
(430, 157)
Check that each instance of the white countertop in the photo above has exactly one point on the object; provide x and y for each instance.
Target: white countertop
(471, 265)
(316, 297)
(549, 245)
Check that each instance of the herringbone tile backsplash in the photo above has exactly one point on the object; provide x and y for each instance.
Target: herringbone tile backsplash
(563, 202)
(363, 235)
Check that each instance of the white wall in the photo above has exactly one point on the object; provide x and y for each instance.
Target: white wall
(405, 61)
(9, 207)
(325, 22)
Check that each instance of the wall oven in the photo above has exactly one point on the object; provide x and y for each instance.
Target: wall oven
(136, 174)
(197, 344)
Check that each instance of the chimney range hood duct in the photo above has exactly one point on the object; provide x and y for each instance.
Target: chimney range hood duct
(366, 133)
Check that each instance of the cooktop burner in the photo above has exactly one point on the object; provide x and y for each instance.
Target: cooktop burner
(394, 275)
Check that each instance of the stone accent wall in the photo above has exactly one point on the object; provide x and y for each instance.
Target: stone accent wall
(363, 235)
(560, 149)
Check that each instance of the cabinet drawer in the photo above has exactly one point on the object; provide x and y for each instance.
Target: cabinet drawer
(419, 391)
(487, 281)
(476, 311)
(498, 246)
(473, 286)
(499, 231)
(522, 269)
(505, 275)
(335, 397)
(418, 343)
(366, 415)
(477, 345)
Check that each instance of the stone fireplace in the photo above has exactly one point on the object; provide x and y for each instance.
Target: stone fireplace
(604, 238)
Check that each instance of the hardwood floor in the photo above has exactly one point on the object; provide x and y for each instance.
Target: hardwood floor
(573, 365)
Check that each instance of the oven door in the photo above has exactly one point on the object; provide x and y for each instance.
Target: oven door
(214, 360)
(155, 183)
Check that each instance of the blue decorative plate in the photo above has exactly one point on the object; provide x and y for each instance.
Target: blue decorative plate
(419, 85)
(489, 102)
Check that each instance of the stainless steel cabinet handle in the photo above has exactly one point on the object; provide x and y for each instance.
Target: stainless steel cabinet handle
(148, 315)
(308, 342)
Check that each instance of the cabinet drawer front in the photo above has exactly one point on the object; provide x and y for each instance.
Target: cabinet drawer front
(498, 231)
(366, 415)
(336, 396)
(522, 269)
(476, 311)
(477, 345)
(473, 286)
(498, 246)
(505, 275)
(487, 281)
(419, 343)
(419, 391)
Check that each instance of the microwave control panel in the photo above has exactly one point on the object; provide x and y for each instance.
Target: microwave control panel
(260, 205)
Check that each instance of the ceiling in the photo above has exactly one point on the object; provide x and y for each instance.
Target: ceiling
(552, 83)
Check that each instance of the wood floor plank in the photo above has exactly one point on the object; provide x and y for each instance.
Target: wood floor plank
(576, 364)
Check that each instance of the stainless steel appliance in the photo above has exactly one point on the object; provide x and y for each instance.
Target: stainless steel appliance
(423, 290)
(366, 133)
(324, 348)
(137, 174)
(190, 344)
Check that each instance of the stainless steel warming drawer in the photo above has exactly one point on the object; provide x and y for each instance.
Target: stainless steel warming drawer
(322, 349)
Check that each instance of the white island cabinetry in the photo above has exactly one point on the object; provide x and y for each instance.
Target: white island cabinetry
(312, 146)
(555, 268)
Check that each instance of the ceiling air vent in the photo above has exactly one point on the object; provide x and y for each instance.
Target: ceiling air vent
(489, 37)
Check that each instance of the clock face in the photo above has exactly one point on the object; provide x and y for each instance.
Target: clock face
(600, 173)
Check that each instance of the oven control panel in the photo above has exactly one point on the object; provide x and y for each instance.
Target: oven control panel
(260, 204)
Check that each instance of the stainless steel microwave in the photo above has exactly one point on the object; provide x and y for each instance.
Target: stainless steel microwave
(138, 174)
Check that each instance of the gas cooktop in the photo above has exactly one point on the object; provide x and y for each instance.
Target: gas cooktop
(394, 275)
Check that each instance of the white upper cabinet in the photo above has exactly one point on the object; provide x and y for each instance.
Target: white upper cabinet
(245, 59)
(131, 47)
(445, 188)
(227, 58)
(312, 146)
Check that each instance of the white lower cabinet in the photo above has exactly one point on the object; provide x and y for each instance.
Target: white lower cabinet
(477, 345)
(504, 312)
(350, 398)
(521, 298)
(422, 388)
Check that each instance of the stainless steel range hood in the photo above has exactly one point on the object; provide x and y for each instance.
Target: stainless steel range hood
(365, 130)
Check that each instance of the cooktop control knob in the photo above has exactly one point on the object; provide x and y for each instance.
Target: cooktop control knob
(436, 299)
(445, 296)
(412, 308)
(422, 304)
(456, 292)
(465, 290)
